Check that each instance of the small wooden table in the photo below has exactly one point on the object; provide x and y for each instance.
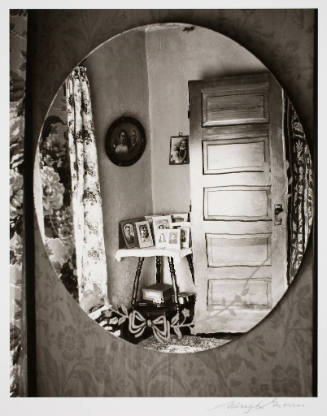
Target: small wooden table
(172, 256)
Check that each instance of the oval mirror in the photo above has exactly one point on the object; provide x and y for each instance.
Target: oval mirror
(197, 239)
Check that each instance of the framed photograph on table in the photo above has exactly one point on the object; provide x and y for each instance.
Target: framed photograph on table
(149, 219)
(178, 218)
(173, 237)
(143, 232)
(160, 223)
(161, 238)
(185, 237)
(128, 232)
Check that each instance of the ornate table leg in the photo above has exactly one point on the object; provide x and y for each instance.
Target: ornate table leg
(190, 264)
(158, 269)
(136, 280)
(174, 280)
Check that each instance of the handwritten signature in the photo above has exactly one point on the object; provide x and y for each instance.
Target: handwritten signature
(255, 406)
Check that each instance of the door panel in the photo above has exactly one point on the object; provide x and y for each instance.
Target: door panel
(243, 102)
(253, 203)
(238, 250)
(238, 155)
(237, 176)
(251, 293)
(233, 109)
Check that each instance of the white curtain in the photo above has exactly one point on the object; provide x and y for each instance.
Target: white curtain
(86, 198)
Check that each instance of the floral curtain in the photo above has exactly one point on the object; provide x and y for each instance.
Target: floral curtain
(18, 369)
(85, 196)
(301, 188)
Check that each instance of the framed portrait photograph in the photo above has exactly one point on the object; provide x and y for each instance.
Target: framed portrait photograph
(179, 150)
(161, 238)
(160, 223)
(173, 237)
(125, 141)
(149, 219)
(185, 237)
(128, 232)
(143, 232)
(179, 218)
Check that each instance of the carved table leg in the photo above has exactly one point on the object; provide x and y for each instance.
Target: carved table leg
(158, 269)
(190, 264)
(136, 280)
(174, 280)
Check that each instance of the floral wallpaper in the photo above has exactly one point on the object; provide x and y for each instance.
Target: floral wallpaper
(75, 356)
(18, 36)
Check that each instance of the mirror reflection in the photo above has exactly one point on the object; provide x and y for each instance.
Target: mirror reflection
(173, 188)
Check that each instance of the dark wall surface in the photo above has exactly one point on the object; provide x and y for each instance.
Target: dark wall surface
(75, 357)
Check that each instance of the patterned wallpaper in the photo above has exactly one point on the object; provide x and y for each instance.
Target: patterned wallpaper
(75, 357)
(18, 39)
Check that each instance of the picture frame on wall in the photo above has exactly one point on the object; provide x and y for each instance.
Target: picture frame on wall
(125, 141)
(143, 232)
(179, 150)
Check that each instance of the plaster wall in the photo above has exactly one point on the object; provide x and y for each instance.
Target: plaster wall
(119, 86)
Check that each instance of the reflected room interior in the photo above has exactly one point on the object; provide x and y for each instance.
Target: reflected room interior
(211, 136)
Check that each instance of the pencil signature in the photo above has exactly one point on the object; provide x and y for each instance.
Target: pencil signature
(256, 406)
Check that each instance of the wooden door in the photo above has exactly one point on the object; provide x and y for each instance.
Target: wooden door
(238, 178)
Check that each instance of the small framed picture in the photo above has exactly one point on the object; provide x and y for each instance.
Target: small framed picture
(149, 219)
(185, 237)
(160, 223)
(161, 238)
(128, 233)
(173, 237)
(179, 153)
(178, 218)
(143, 234)
(181, 224)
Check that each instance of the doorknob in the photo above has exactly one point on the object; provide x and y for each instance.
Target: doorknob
(278, 208)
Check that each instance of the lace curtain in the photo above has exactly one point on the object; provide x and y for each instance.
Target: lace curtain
(86, 199)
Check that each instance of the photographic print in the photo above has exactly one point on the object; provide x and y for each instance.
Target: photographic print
(249, 155)
(173, 237)
(179, 153)
(143, 234)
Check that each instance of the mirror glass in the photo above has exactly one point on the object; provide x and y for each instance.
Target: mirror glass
(173, 188)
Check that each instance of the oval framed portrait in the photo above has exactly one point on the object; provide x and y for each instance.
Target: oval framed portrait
(125, 141)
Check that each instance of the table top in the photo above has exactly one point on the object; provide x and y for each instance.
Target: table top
(177, 255)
